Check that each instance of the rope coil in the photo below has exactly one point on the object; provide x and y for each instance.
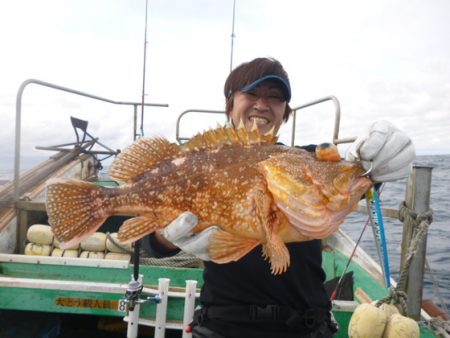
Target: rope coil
(440, 326)
(119, 245)
(412, 217)
(180, 260)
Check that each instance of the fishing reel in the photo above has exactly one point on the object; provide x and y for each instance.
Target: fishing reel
(133, 295)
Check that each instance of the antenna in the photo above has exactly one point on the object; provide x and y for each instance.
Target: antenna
(143, 71)
(232, 36)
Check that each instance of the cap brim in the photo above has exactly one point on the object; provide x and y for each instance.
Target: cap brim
(285, 87)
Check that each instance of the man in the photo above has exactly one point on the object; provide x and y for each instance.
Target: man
(242, 298)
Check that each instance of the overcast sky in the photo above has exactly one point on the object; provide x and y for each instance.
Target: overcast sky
(381, 59)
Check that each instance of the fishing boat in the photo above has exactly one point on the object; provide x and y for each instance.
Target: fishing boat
(156, 297)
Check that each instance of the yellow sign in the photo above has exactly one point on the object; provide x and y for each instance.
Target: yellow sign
(87, 303)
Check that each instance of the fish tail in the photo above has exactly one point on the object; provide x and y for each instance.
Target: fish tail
(75, 209)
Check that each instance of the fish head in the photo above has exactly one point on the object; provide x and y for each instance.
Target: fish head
(315, 195)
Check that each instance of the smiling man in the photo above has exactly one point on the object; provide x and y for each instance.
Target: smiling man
(258, 92)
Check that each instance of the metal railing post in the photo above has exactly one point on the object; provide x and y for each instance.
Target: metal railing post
(189, 305)
(161, 308)
(418, 200)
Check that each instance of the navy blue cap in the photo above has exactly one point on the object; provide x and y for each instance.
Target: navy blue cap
(285, 86)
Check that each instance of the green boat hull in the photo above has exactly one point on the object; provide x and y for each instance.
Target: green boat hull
(37, 286)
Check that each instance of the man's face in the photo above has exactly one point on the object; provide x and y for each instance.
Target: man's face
(264, 105)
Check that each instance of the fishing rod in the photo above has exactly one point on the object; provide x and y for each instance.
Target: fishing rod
(134, 290)
(137, 243)
(144, 70)
(233, 36)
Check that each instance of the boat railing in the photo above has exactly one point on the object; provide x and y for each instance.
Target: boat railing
(337, 118)
(164, 292)
(160, 323)
(19, 96)
(181, 139)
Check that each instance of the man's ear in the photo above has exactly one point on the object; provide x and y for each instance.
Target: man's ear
(229, 105)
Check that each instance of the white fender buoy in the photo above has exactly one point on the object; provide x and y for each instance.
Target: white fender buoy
(40, 234)
(95, 242)
(118, 256)
(368, 321)
(92, 254)
(389, 309)
(57, 252)
(33, 249)
(73, 247)
(399, 326)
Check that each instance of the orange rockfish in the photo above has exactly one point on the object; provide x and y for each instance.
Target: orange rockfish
(256, 191)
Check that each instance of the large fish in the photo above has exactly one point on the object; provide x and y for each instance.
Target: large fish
(257, 191)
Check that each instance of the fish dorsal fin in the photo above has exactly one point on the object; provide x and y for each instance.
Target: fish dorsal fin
(224, 137)
(141, 156)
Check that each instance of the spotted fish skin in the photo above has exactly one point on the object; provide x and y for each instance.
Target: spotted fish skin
(256, 191)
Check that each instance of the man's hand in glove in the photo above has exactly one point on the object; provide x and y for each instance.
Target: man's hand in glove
(179, 233)
(383, 150)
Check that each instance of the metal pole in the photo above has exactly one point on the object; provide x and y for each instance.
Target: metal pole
(17, 140)
(418, 200)
(135, 122)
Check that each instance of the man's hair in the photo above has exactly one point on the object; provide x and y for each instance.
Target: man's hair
(249, 72)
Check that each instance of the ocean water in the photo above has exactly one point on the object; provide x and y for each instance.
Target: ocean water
(437, 282)
(5, 175)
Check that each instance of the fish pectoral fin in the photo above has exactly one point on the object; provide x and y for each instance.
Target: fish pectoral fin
(225, 247)
(135, 228)
(274, 249)
(278, 255)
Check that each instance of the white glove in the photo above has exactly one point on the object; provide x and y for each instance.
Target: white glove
(179, 232)
(384, 150)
